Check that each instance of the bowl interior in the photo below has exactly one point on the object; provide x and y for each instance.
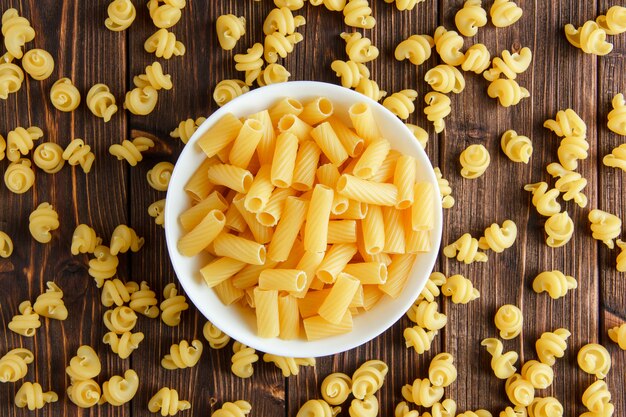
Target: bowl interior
(240, 323)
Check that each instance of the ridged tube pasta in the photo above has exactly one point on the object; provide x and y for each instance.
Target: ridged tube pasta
(250, 63)
(167, 402)
(120, 319)
(19, 177)
(509, 321)
(465, 249)
(474, 161)
(49, 157)
(230, 29)
(543, 199)
(445, 79)
(426, 315)
(101, 102)
(242, 360)
(571, 150)
(164, 45)
(470, 17)
(597, 399)
(124, 239)
(438, 107)
(422, 393)
(418, 338)
(618, 335)
(239, 408)
(614, 21)
(362, 119)
(589, 37)
(350, 72)
(84, 393)
(124, 344)
(288, 366)
(154, 77)
(31, 395)
(416, 48)
(11, 78)
(317, 408)
(508, 92)
(401, 103)
(552, 345)
(368, 378)
(559, 230)
(85, 365)
(336, 388)
(283, 21)
(141, 101)
(130, 151)
(505, 13)
(498, 238)
(217, 339)
(357, 13)
(117, 292)
(183, 355)
(502, 364)
(119, 390)
(516, 147)
(38, 63)
(64, 95)
(359, 48)
(273, 74)
(14, 364)
(476, 59)
(441, 371)
(227, 90)
(103, 266)
(121, 14)
(460, 289)
(278, 45)
(594, 359)
(50, 303)
(203, 234)
(144, 301)
(17, 32)
(20, 141)
(538, 374)
(605, 226)
(26, 322)
(42, 221)
(6, 245)
(159, 176)
(186, 129)
(617, 116)
(173, 305)
(519, 391)
(368, 407)
(449, 44)
(545, 407)
(509, 65)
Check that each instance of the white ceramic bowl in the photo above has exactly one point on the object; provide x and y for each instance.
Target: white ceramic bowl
(240, 323)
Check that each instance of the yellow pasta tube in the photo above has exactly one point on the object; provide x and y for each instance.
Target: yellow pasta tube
(317, 110)
(318, 214)
(372, 295)
(287, 229)
(202, 235)
(328, 174)
(246, 143)
(220, 135)
(367, 191)
(267, 318)
(394, 231)
(368, 273)
(356, 211)
(227, 293)
(329, 143)
(292, 124)
(265, 148)
(306, 164)
(234, 220)
(387, 169)
(231, 176)
(336, 303)
(238, 248)
(352, 143)
(262, 234)
(288, 317)
(220, 269)
(317, 327)
(336, 259)
(249, 276)
(285, 106)
(199, 186)
(309, 263)
(294, 256)
(404, 179)
(284, 160)
(290, 280)
(341, 231)
(372, 158)
(397, 274)
(363, 121)
(273, 211)
(191, 217)
(422, 212)
(373, 230)
(417, 241)
(310, 305)
(260, 190)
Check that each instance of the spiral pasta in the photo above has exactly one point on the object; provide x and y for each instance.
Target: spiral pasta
(438, 107)
(572, 149)
(418, 338)
(516, 147)
(336, 388)
(273, 74)
(79, 153)
(120, 320)
(431, 289)
(476, 59)
(538, 374)
(230, 29)
(570, 183)
(239, 408)
(165, 15)
(50, 304)
(157, 210)
(419, 133)
(227, 90)
(164, 45)
(31, 395)
(470, 17)
(119, 390)
(605, 226)
(20, 141)
(290, 4)
(426, 315)
(405, 4)
(617, 116)
(283, 21)
(42, 221)
(441, 371)
(445, 79)
(368, 407)
(357, 13)
(509, 320)
(567, 123)
(64, 95)
(498, 238)
(545, 407)
(166, 401)
(465, 249)
(359, 48)
(144, 301)
(460, 289)
(416, 48)
(447, 201)
(242, 360)
(618, 335)
(11, 78)
(597, 399)
(121, 14)
(49, 157)
(130, 151)
(403, 410)
(6, 245)
(85, 365)
(250, 63)
(173, 305)
(368, 378)
(186, 129)
(590, 37)
(141, 101)
(510, 65)
(103, 266)
(317, 408)
(422, 392)
(159, 176)
(14, 364)
(595, 360)
(350, 73)
(217, 339)
(17, 32)
(613, 22)
(124, 344)
(543, 199)
(288, 366)
(117, 292)
(183, 355)
(84, 393)
(26, 322)
(101, 102)
(502, 364)
(552, 345)
(508, 92)
(505, 13)
(124, 239)
(474, 161)
(559, 230)
(519, 391)
(38, 63)
(154, 77)
(84, 240)
(448, 44)
(19, 177)
(401, 103)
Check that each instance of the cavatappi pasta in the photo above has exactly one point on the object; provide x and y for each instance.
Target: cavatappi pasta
(343, 229)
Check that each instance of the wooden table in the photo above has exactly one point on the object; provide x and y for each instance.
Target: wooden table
(114, 193)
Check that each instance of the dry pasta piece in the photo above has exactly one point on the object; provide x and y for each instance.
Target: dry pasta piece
(594, 359)
(273, 74)
(124, 239)
(516, 147)
(418, 338)
(441, 371)
(19, 176)
(618, 335)
(519, 391)
(498, 238)
(449, 45)
(38, 63)
(474, 161)
(130, 151)
(20, 141)
(416, 48)
(543, 199)
(357, 13)
(283, 21)
(64, 95)
(165, 15)
(154, 77)
(239, 408)
(117, 292)
(508, 92)
(401, 103)
(567, 123)
(159, 176)
(460, 289)
(552, 345)
(278, 45)
(217, 339)
(350, 72)
(605, 226)
(251, 63)
(120, 319)
(14, 364)
(186, 129)
(613, 21)
(84, 240)
(141, 101)
(509, 65)
(31, 395)
(49, 157)
(359, 48)
(173, 305)
(11, 78)
(6, 245)
(26, 322)
(422, 393)
(85, 365)
(17, 32)
(227, 90)
(572, 149)
(502, 364)
(164, 45)
(336, 388)
(369, 378)
(202, 235)
(597, 399)
(445, 79)
(42, 221)
(101, 102)
(121, 14)
(477, 58)
(230, 29)
(288, 366)
(50, 304)
(470, 17)
(405, 4)
(103, 266)
(119, 390)
(144, 301)
(242, 360)
(183, 355)
(538, 374)
(431, 289)
(84, 393)
(505, 13)
(617, 158)
(167, 402)
(508, 321)
(465, 249)
(124, 344)
(318, 408)
(559, 230)
(316, 327)
(447, 201)
(544, 407)
(364, 408)
(438, 108)
(426, 315)
(79, 153)
(590, 37)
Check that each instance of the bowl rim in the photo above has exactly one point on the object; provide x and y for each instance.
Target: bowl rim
(299, 90)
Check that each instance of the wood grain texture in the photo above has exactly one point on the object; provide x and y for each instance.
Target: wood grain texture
(115, 193)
